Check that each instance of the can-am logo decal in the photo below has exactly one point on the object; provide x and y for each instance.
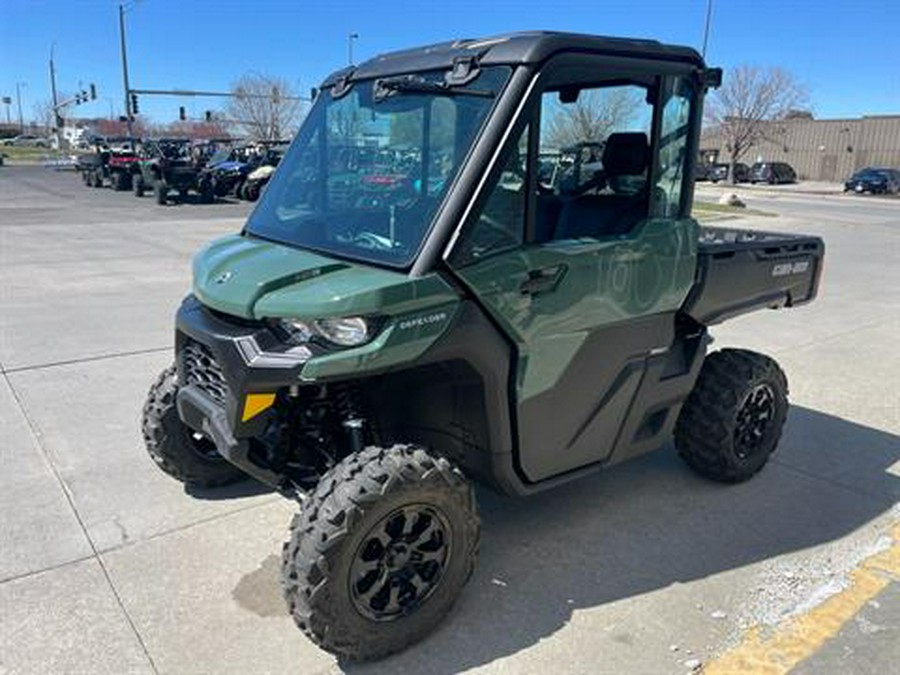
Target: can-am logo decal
(786, 269)
(421, 321)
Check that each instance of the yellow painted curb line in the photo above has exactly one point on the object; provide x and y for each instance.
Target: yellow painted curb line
(796, 639)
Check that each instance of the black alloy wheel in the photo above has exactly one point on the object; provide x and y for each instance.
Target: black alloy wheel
(754, 420)
(400, 562)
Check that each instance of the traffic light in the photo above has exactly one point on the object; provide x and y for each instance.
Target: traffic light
(181, 114)
(134, 104)
(93, 92)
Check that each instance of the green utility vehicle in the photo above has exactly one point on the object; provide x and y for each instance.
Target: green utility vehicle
(370, 357)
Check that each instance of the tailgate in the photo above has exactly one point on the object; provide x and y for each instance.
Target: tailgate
(740, 271)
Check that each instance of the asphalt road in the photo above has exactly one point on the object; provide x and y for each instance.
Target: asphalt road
(108, 566)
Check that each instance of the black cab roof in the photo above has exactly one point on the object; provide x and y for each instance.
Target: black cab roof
(512, 49)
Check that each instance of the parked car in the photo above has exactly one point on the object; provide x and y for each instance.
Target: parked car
(720, 171)
(772, 173)
(28, 141)
(741, 173)
(874, 180)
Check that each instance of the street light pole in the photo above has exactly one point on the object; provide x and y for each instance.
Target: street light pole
(350, 38)
(706, 30)
(124, 66)
(19, 104)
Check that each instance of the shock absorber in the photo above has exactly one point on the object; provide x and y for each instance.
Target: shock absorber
(350, 410)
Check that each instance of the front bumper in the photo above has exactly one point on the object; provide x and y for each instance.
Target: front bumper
(220, 362)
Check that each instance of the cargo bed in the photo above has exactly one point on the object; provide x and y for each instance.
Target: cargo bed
(740, 271)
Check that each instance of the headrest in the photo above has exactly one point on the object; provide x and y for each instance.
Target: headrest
(626, 154)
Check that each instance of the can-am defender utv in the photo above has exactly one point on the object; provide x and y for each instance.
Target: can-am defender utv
(369, 346)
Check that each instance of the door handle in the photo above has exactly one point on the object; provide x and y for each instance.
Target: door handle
(542, 280)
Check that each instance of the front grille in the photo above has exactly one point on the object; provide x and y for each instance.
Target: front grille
(202, 370)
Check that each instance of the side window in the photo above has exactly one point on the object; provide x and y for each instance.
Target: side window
(676, 121)
(501, 222)
(593, 161)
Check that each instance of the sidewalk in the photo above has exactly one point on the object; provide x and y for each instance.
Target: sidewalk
(809, 187)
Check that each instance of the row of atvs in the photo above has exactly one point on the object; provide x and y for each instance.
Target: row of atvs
(167, 167)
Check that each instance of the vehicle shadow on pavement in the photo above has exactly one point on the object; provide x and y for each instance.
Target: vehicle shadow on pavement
(245, 488)
(646, 525)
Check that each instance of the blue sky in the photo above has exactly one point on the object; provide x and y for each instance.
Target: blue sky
(845, 52)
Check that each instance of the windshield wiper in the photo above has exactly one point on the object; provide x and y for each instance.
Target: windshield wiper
(404, 84)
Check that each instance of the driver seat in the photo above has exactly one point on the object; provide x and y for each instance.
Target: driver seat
(626, 155)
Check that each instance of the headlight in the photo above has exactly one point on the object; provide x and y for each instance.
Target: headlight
(347, 332)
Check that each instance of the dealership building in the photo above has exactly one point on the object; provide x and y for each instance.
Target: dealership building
(826, 150)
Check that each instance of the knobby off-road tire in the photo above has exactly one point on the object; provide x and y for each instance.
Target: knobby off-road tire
(251, 192)
(732, 420)
(138, 185)
(174, 447)
(380, 551)
(161, 192)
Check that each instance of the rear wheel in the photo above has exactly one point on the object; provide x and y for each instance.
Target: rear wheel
(732, 421)
(251, 192)
(380, 551)
(177, 450)
(96, 179)
(161, 192)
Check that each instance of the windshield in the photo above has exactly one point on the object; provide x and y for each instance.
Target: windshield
(219, 156)
(369, 169)
(871, 173)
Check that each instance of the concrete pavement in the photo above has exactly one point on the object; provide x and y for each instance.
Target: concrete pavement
(108, 566)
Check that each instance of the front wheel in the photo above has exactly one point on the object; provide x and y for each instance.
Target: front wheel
(176, 449)
(732, 420)
(138, 186)
(380, 551)
(251, 192)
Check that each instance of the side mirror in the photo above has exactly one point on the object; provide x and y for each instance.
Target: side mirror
(711, 78)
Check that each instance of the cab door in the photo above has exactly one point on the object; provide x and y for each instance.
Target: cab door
(579, 251)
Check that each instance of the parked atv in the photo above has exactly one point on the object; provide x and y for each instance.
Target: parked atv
(166, 166)
(258, 178)
(371, 355)
(213, 179)
(113, 162)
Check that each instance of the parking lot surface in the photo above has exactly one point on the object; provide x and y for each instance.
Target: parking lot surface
(108, 566)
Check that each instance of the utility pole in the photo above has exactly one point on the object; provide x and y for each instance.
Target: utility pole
(125, 67)
(19, 104)
(706, 30)
(350, 38)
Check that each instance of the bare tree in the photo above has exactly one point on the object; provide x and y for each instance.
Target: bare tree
(264, 107)
(749, 99)
(591, 118)
(43, 115)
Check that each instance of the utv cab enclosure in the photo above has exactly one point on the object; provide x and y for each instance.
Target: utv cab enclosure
(416, 302)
